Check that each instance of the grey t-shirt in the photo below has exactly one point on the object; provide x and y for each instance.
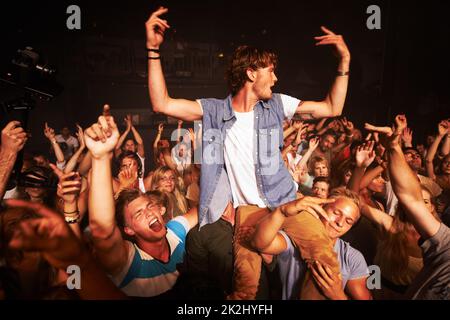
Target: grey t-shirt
(433, 282)
(292, 267)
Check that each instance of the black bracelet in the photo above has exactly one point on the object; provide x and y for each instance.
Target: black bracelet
(152, 50)
(342, 73)
(154, 58)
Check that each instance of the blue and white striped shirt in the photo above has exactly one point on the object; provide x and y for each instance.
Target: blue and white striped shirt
(144, 276)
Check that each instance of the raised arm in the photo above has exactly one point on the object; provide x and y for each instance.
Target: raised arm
(301, 129)
(72, 163)
(13, 139)
(377, 216)
(123, 136)
(159, 97)
(321, 124)
(101, 138)
(158, 137)
(139, 140)
(442, 131)
(287, 132)
(69, 188)
(364, 157)
(369, 175)
(193, 140)
(407, 135)
(333, 103)
(85, 164)
(445, 149)
(313, 144)
(50, 134)
(404, 182)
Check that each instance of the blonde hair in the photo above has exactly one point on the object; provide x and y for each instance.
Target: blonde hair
(314, 161)
(180, 199)
(395, 242)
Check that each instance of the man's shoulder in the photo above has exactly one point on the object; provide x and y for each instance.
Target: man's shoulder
(179, 226)
(439, 243)
(211, 102)
(351, 259)
(347, 252)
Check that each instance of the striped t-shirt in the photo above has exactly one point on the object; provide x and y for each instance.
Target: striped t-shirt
(144, 276)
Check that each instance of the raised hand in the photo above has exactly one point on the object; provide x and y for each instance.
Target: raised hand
(400, 123)
(160, 128)
(49, 132)
(13, 137)
(407, 137)
(69, 187)
(390, 137)
(80, 137)
(101, 138)
(49, 234)
(348, 125)
(365, 154)
(333, 125)
(297, 125)
(127, 178)
(128, 122)
(155, 28)
(313, 143)
(443, 127)
(330, 38)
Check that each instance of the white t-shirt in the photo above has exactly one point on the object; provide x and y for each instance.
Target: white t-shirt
(238, 155)
(143, 163)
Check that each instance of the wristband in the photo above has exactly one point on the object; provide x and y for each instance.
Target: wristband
(342, 73)
(153, 50)
(71, 213)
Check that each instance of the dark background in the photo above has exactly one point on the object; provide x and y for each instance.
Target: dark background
(404, 67)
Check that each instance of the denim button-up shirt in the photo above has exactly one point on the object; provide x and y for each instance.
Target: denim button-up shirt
(275, 184)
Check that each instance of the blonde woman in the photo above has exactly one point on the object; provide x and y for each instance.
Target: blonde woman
(398, 253)
(166, 180)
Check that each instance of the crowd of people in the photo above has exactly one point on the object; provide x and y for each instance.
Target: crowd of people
(290, 200)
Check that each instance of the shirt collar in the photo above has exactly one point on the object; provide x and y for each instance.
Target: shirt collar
(229, 112)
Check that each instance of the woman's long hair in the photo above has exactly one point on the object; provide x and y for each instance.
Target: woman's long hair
(395, 243)
(180, 199)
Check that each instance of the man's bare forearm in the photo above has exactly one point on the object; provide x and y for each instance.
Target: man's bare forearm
(355, 181)
(407, 189)
(445, 149)
(338, 92)
(7, 160)
(159, 96)
(101, 197)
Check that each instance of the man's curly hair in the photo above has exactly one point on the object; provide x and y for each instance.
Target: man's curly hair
(245, 57)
